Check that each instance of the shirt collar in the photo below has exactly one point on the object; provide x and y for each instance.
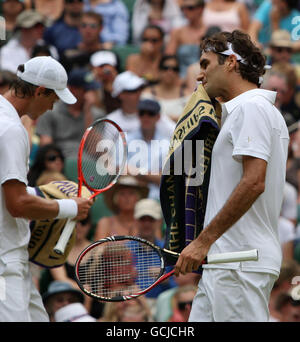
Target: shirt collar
(13, 111)
(232, 104)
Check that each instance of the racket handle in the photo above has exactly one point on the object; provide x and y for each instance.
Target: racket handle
(64, 237)
(233, 257)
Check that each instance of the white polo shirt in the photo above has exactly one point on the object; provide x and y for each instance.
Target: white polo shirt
(251, 126)
(14, 156)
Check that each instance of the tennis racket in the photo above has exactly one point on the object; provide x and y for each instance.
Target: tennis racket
(102, 156)
(119, 268)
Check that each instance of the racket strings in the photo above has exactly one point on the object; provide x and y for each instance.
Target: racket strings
(103, 153)
(119, 268)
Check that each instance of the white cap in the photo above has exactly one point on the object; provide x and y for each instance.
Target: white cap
(103, 57)
(147, 207)
(126, 81)
(75, 312)
(47, 72)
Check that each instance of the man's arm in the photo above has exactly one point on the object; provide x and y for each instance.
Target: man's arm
(244, 195)
(21, 204)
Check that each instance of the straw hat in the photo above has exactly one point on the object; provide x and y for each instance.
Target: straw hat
(124, 182)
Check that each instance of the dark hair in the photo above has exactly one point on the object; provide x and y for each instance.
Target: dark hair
(154, 27)
(39, 164)
(41, 48)
(166, 58)
(98, 17)
(25, 89)
(7, 77)
(255, 61)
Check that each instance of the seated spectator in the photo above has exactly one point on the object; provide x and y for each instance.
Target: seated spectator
(170, 92)
(30, 26)
(228, 15)
(115, 21)
(185, 41)
(58, 295)
(163, 13)
(65, 124)
(90, 28)
(148, 147)
(105, 66)
(75, 312)
(43, 49)
(270, 16)
(64, 33)
(146, 63)
(288, 304)
(280, 47)
(10, 11)
(182, 303)
(121, 200)
(48, 158)
(128, 88)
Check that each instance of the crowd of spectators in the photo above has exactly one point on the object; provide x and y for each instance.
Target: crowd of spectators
(136, 61)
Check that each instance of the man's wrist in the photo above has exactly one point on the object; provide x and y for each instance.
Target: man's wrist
(67, 208)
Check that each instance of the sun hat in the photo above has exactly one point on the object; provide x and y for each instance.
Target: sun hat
(281, 38)
(75, 312)
(103, 57)
(149, 105)
(29, 18)
(127, 81)
(56, 287)
(47, 72)
(147, 207)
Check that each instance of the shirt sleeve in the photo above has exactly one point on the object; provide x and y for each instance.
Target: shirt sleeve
(251, 132)
(13, 155)
(262, 14)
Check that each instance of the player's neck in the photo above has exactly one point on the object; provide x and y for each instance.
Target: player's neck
(19, 104)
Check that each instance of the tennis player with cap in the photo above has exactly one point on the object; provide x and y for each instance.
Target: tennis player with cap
(246, 185)
(41, 82)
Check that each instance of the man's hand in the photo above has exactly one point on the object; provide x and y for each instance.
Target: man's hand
(84, 206)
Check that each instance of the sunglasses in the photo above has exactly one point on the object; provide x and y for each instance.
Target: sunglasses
(93, 26)
(189, 8)
(182, 305)
(282, 49)
(72, 1)
(151, 40)
(167, 67)
(53, 157)
(145, 112)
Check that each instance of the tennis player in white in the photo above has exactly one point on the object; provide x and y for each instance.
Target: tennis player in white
(41, 82)
(246, 185)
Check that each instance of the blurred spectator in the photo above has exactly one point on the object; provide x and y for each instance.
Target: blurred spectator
(148, 146)
(283, 284)
(64, 33)
(287, 235)
(185, 41)
(229, 15)
(121, 200)
(270, 16)
(163, 13)
(280, 47)
(182, 303)
(10, 11)
(50, 176)
(48, 158)
(43, 49)
(30, 26)
(105, 66)
(75, 312)
(288, 304)
(134, 310)
(116, 21)
(128, 87)
(171, 93)
(50, 9)
(6, 77)
(58, 295)
(90, 28)
(65, 124)
(146, 63)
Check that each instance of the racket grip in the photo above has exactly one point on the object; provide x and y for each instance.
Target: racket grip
(250, 255)
(64, 237)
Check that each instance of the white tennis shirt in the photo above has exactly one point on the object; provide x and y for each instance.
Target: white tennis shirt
(14, 156)
(251, 126)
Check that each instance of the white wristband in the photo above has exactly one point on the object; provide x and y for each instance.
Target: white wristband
(67, 208)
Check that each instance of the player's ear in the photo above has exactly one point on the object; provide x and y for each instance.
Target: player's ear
(39, 91)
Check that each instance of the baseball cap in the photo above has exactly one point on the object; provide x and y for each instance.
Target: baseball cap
(45, 71)
(82, 78)
(149, 105)
(29, 18)
(103, 57)
(281, 38)
(75, 312)
(147, 207)
(56, 287)
(126, 81)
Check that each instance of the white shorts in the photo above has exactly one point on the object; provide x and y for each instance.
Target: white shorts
(232, 296)
(20, 301)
